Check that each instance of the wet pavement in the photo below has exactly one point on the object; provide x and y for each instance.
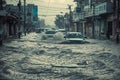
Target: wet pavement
(31, 58)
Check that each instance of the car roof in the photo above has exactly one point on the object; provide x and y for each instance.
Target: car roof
(74, 32)
(61, 29)
(51, 31)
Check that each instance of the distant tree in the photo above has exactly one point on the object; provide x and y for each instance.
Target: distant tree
(59, 21)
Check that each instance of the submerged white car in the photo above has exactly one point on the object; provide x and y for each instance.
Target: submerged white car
(50, 33)
(74, 38)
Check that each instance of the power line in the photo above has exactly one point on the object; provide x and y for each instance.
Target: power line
(50, 13)
(44, 9)
(48, 5)
(52, 7)
(53, 11)
(46, 15)
(55, 3)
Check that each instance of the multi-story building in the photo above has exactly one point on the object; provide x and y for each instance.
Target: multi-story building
(79, 17)
(7, 22)
(103, 19)
(12, 19)
(30, 18)
(2, 18)
(96, 18)
(32, 13)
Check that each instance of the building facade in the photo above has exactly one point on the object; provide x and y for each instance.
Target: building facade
(30, 18)
(12, 19)
(97, 18)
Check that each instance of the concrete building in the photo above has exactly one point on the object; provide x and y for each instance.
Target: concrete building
(8, 22)
(12, 19)
(31, 16)
(95, 18)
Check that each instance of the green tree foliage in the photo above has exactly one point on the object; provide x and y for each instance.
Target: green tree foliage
(59, 21)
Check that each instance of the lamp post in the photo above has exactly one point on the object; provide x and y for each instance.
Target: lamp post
(93, 19)
(25, 17)
(116, 20)
(19, 27)
(70, 17)
(24, 24)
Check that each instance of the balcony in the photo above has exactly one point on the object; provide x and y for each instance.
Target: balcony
(78, 16)
(88, 12)
(82, 15)
(3, 13)
(103, 8)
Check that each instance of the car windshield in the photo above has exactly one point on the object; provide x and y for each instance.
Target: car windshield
(50, 32)
(74, 36)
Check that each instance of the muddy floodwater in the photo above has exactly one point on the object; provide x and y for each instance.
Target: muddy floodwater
(31, 58)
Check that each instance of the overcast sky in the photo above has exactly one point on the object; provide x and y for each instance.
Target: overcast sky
(49, 8)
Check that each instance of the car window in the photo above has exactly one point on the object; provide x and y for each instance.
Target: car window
(50, 32)
(74, 36)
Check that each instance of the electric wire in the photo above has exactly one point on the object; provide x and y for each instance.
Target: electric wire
(55, 3)
(51, 11)
(48, 5)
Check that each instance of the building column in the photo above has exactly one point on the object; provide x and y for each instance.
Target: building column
(116, 20)
(83, 29)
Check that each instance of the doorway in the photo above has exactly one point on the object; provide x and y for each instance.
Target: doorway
(109, 30)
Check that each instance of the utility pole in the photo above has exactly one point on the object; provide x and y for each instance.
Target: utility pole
(25, 17)
(93, 19)
(70, 18)
(1, 39)
(116, 20)
(0, 4)
(19, 27)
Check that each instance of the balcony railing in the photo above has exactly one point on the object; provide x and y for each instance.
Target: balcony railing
(89, 13)
(103, 8)
(75, 17)
(78, 16)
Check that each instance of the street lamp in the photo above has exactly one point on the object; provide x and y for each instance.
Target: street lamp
(93, 19)
(25, 17)
(19, 27)
(19, 21)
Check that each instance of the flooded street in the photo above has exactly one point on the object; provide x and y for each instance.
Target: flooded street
(31, 58)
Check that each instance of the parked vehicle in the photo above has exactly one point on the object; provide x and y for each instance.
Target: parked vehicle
(74, 38)
(50, 33)
(40, 30)
(62, 31)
